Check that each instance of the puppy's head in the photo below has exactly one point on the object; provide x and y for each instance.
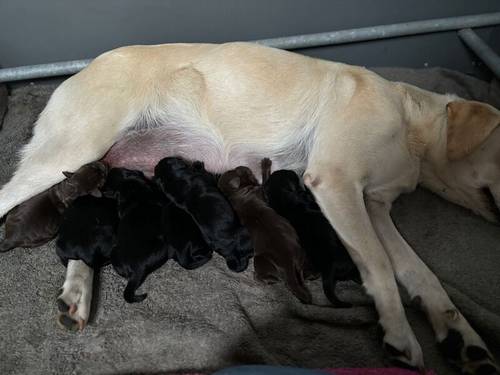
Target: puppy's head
(170, 167)
(236, 179)
(88, 179)
(120, 179)
(284, 180)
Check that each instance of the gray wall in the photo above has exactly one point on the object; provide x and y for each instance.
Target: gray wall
(39, 31)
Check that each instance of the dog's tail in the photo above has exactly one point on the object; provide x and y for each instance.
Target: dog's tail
(295, 282)
(329, 281)
(133, 284)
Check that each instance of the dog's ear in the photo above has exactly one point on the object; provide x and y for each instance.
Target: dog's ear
(68, 174)
(469, 124)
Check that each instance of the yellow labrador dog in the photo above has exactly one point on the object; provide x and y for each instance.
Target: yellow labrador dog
(360, 140)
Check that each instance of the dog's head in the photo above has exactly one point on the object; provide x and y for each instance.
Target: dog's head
(464, 165)
(88, 179)
(237, 179)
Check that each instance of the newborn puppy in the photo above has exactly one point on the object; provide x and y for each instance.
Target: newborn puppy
(37, 220)
(184, 238)
(195, 190)
(88, 231)
(327, 254)
(278, 254)
(140, 248)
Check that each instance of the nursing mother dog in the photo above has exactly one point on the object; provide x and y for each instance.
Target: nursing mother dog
(235, 103)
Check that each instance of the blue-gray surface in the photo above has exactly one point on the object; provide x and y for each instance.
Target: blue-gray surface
(36, 32)
(211, 318)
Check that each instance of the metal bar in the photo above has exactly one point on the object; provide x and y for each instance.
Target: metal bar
(291, 42)
(42, 70)
(481, 49)
(383, 31)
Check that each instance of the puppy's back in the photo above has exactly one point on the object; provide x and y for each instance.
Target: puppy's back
(183, 235)
(88, 231)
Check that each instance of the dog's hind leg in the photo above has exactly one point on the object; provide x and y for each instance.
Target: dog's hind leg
(81, 121)
(339, 193)
(458, 341)
(76, 295)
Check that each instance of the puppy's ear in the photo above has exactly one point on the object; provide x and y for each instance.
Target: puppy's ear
(111, 194)
(234, 182)
(198, 165)
(68, 174)
(469, 124)
(96, 193)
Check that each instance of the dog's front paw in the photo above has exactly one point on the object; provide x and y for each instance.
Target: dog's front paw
(473, 359)
(403, 348)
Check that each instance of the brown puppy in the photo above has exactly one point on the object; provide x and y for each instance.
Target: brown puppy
(278, 254)
(37, 220)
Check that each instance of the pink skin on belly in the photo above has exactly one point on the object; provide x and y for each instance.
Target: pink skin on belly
(143, 150)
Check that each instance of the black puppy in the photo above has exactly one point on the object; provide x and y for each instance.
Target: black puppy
(140, 248)
(326, 253)
(88, 231)
(184, 238)
(195, 190)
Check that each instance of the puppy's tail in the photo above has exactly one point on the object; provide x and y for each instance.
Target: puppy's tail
(329, 281)
(295, 282)
(133, 284)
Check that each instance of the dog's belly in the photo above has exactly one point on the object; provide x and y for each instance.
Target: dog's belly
(142, 150)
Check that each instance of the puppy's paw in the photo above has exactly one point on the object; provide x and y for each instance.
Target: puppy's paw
(473, 359)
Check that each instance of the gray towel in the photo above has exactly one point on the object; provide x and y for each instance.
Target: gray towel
(210, 318)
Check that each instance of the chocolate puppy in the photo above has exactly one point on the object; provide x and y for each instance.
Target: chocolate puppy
(37, 220)
(88, 231)
(324, 250)
(140, 248)
(195, 190)
(278, 254)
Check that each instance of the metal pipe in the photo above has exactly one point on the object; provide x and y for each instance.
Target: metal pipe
(481, 49)
(290, 42)
(383, 31)
(42, 70)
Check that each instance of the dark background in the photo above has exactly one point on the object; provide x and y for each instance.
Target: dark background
(35, 31)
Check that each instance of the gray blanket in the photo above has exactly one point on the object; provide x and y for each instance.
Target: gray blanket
(210, 318)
